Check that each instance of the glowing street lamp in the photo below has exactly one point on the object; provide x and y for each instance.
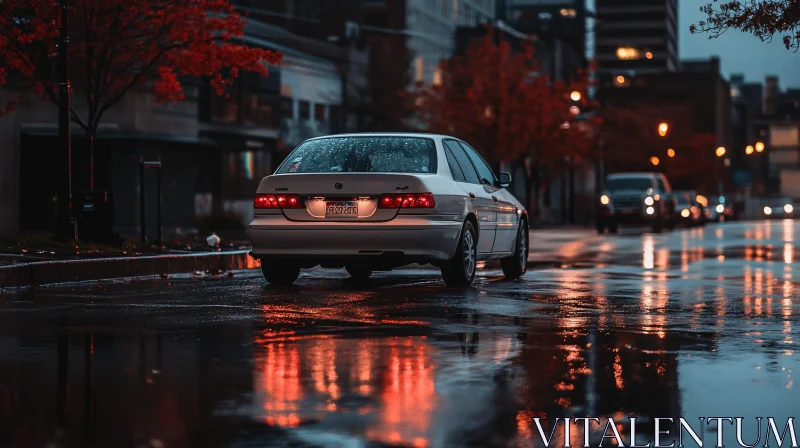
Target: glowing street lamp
(760, 147)
(654, 160)
(671, 152)
(749, 149)
(721, 151)
(662, 129)
(575, 95)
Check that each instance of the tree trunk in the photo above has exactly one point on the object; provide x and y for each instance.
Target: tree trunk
(90, 142)
(536, 180)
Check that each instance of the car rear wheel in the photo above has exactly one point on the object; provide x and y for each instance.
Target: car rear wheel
(600, 226)
(281, 274)
(358, 272)
(658, 225)
(516, 265)
(459, 271)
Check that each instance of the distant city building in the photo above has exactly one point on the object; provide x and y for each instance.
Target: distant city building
(635, 37)
(431, 26)
(561, 21)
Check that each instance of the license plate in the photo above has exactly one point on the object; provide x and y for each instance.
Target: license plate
(627, 211)
(341, 210)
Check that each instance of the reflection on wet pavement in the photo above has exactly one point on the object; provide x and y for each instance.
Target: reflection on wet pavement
(701, 322)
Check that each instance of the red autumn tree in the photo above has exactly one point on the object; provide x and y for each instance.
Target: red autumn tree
(496, 98)
(764, 19)
(115, 45)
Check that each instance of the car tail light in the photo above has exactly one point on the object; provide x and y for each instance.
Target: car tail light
(283, 201)
(413, 200)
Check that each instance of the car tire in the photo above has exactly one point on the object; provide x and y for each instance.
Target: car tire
(516, 265)
(658, 224)
(459, 271)
(358, 272)
(601, 227)
(280, 274)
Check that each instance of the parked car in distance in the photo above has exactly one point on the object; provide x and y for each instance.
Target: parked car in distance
(689, 210)
(720, 209)
(636, 198)
(375, 202)
(779, 208)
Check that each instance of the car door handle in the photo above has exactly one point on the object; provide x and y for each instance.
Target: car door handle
(495, 198)
(472, 195)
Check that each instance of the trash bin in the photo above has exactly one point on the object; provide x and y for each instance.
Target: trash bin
(94, 216)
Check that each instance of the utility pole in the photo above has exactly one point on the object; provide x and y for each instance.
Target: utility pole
(65, 227)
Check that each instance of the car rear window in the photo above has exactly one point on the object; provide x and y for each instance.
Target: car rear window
(630, 183)
(387, 154)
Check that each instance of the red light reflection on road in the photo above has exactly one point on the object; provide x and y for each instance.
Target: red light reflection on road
(309, 378)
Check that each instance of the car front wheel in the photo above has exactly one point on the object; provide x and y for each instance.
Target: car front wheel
(459, 271)
(281, 274)
(516, 265)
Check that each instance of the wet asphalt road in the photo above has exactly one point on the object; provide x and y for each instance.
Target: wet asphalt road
(700, 322)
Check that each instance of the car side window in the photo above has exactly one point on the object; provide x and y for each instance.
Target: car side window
(463, 161)
(485, 173)
(458, 174)
(663, 184)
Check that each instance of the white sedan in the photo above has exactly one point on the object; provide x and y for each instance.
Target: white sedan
(375, 202)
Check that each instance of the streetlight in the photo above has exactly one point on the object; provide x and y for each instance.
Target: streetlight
(760, 147)
(671, 152)
(654, 160)
(575, 95)
(662, 129)
(749, 149)
(721, 151)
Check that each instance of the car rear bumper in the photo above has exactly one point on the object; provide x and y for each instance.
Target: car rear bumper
(413, 238)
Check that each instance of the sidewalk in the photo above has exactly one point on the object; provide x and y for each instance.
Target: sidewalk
(23, 275)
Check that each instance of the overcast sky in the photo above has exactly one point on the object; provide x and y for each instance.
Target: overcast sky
(738, 52)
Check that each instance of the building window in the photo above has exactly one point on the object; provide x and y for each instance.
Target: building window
(244, 170)
(628, 53)
(319, 113)
(335, 119)
(455, 10)
(419, 66)
(225, 108)
(259, 110)
(305, 110)
(444, 7)
(287, 108)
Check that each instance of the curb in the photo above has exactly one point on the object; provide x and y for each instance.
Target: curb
(62, 271)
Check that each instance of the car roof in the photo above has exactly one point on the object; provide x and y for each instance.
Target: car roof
(637, 175)
(386, 134)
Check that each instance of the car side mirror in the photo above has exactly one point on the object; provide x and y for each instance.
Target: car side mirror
(504, 179)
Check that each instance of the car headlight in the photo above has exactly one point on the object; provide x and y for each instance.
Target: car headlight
(721, 208)
(650, 210)
(605, 200)
(685, 213)
(788, 208)
(767, 211)
(649, 201)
